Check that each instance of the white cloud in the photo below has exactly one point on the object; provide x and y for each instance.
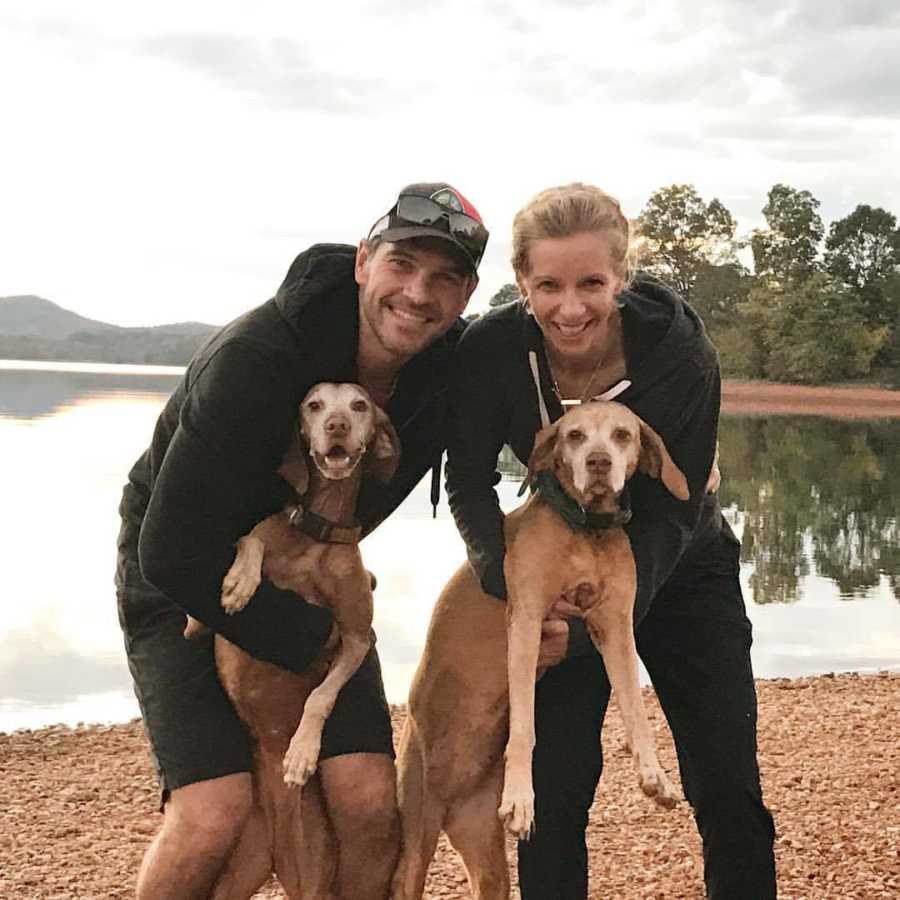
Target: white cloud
(166, 161)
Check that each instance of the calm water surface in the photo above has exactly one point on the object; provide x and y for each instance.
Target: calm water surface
(815, 500)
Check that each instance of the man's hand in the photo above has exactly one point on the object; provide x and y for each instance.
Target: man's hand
(555, 633)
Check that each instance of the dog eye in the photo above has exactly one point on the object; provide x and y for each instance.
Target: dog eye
(622, 435)
(314, 405)
(359, 406)
(575, 436)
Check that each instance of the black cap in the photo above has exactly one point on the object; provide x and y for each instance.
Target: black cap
(453, 219)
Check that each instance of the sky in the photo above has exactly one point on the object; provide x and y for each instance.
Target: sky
(165, 162)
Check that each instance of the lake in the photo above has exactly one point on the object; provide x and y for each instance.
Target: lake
(814, 499)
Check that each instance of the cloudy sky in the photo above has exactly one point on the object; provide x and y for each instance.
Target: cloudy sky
(163, 162)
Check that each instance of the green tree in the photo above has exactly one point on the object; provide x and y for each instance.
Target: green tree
(683, 235)
(717, 293)
(863, 252)
(864, 247)
(815, 332)
(506, 294)
(788, 251)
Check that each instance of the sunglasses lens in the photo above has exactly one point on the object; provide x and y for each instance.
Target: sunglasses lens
(420, 210)
(424, 211)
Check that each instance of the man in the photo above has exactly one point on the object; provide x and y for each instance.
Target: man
(385, 315)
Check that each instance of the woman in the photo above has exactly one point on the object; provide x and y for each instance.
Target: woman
(582, 331)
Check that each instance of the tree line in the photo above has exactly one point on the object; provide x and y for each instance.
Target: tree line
(817, 306)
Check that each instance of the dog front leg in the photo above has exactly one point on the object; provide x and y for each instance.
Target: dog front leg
(302, 755)
(524, 639)
(243, 578)
(612, 631)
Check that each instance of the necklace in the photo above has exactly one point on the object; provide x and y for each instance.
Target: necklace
(587, 386)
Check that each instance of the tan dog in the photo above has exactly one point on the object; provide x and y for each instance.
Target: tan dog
(481, 656)
(347, 436)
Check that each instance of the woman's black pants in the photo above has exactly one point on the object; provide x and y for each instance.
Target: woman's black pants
(695, 643)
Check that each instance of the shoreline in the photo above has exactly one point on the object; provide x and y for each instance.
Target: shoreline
(738, 396)
(78, 804)
(834, 401)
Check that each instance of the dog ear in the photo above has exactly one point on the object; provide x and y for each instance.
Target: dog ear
(656, 462)
(542, 453)
(383, 453)
(293, 468)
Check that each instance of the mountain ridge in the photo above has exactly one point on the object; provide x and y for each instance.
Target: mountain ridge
(32, 327)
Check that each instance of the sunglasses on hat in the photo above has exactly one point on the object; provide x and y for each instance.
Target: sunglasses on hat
(436, 218)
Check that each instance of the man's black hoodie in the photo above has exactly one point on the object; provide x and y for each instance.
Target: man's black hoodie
(209, 474)
(675, 388)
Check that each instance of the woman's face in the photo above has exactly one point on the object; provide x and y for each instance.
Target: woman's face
(571, 287)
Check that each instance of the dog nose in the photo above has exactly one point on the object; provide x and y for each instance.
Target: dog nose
(598, 462)
(337, 425)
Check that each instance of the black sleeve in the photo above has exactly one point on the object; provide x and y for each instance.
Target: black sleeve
(217, 480)
(478, 425)
(663, 526)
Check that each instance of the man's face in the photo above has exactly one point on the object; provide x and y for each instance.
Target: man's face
(410, 293)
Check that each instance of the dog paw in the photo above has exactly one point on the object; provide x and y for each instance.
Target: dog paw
(656, 785)
(237, 589)
(300, 763)
(517, 813)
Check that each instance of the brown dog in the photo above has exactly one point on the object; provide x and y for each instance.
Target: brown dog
(474, 687)
(347, 436)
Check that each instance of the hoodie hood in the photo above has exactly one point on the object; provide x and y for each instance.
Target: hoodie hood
(323, 273)
(662, 333)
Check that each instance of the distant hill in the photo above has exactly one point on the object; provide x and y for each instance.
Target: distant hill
(34, 328)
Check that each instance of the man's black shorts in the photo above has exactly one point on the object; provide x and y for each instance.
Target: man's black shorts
(194, 732)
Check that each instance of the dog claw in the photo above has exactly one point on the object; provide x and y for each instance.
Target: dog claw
(237, 589)
(298, 772)
(518, 816)
(656, 785)
(300, 763)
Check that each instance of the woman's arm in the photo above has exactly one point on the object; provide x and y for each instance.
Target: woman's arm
(664, 527)
(478, 425)
(218, 479)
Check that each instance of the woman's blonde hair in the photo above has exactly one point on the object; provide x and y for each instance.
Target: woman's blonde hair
(573, 209)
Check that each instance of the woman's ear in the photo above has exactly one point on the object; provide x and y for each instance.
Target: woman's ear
(656, 462)
(383, 453)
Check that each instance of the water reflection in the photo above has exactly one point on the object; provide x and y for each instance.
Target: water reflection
(814, 490)
(27, 394)
(815, 500)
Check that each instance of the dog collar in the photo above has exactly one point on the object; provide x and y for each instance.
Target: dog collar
(573, 513)
(321, 529)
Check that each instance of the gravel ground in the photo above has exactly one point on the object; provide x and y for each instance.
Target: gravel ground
(77, 805)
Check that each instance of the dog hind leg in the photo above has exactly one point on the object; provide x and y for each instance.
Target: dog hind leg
(250, 864)
(421, 817)
(478, 836)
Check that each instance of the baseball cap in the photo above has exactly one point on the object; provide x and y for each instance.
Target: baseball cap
(435, 209)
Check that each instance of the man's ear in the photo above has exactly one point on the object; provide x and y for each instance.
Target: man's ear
(364, 253)
(383, 453)
(293, 467)
(543, 451)
(656, 462)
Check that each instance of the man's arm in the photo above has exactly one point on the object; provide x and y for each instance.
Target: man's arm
(218, 479)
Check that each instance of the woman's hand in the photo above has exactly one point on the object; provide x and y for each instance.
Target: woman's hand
(555, 633)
